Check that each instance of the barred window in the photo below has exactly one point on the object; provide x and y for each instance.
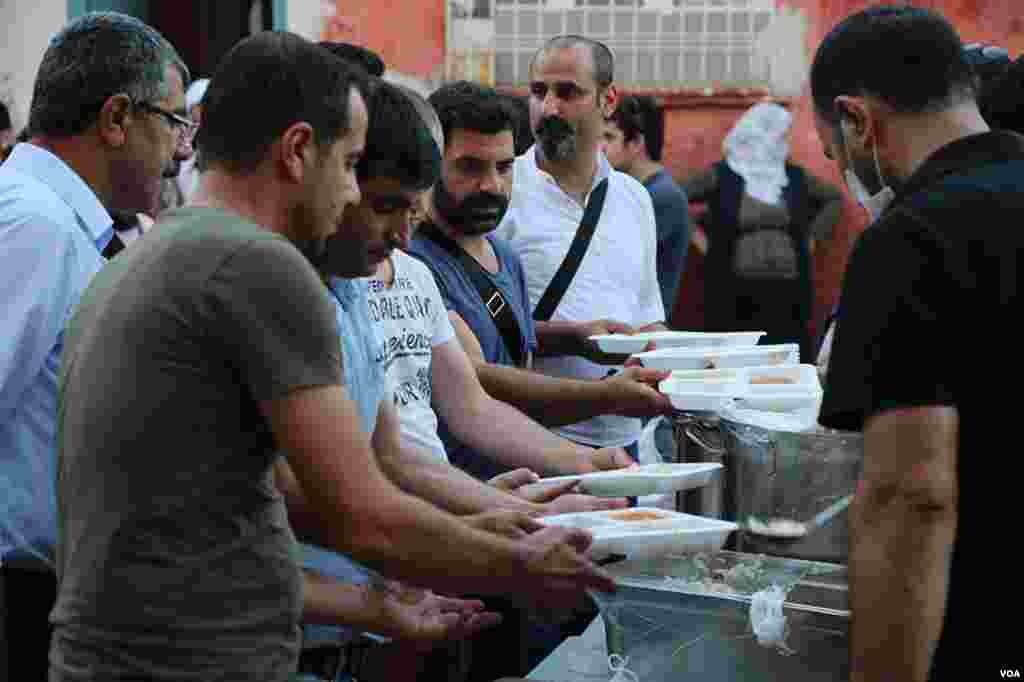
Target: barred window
(673, 44)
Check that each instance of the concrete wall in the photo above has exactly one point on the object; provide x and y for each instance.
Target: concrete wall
(28, 29)
(306, 17)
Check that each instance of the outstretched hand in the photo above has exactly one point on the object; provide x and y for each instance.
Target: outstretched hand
(510, 481)
(633, 392)
(505, 522)
(556, 571)
(608, 459)
(422, 616)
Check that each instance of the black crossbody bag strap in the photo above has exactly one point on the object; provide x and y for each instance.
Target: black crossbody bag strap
(567, 270)
(501, 312)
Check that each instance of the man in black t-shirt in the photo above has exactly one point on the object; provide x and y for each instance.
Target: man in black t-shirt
(894, 102)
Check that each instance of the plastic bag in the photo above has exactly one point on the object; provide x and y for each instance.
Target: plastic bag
(767, 619)
(647, 446)
(797, 421)
(657, 445)
(717, 614)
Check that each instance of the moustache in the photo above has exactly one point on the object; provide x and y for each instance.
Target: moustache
(557, 138)
(554, 127)
(484, 202)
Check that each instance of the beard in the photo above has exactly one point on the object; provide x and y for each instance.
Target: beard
(477, 214)
(557, 138)
(315, 251)
(313, 244)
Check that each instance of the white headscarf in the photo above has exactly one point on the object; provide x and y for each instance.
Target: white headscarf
(756, 149)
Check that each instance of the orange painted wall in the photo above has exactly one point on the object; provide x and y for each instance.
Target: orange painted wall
(409, 35)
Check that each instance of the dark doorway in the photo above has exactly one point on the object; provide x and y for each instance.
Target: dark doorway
(201, 30)
(204, 31)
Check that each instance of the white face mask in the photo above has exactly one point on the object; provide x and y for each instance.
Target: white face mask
(874, 204)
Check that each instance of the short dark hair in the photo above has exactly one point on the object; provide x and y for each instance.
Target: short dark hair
(637, 115)
(463, 105)
(1002, 100)
(909, 57)
(263, 85)
(398, 142)
(521, 130)
(5, 117)
(601, 55)
(93, 58)
(368, 60)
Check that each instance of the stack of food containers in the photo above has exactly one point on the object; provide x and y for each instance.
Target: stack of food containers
(727, 373)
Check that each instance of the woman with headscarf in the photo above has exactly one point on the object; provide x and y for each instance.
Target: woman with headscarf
(764, 216)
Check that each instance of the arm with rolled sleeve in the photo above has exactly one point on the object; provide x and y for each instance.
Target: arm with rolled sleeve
(36, 294)
(883, 378)
(269, 308)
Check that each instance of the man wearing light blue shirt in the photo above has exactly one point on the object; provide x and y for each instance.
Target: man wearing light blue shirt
(106, 122)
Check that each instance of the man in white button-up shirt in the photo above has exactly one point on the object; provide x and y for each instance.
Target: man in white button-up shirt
(616, 286)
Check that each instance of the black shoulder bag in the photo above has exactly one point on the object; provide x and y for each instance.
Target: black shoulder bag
(567, 270)
(501, 313)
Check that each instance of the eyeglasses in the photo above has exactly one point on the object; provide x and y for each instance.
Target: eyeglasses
(182, 126)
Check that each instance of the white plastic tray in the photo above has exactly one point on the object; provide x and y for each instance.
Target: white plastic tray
(647, 479)
(781, 388)
(671, 359)
(626, 344)
(669, 533)
(710, 390)
(803, 391)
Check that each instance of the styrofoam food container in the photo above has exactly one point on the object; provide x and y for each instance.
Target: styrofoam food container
(713, 382)
(803, 378)
(804, 392)
(702, 391)
(670, 532)
(647, 479)
(671, 359)
(620, 344)
(701, 376)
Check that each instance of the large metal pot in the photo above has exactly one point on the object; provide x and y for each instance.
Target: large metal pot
(771, 475)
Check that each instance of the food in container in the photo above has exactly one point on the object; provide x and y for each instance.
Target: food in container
(781, 389)
(638, 515)
(646, 532)
(672, 359)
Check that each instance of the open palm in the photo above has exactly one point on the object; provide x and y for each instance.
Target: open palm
(422, 616)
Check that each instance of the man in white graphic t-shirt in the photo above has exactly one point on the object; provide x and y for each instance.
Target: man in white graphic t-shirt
(427, 370)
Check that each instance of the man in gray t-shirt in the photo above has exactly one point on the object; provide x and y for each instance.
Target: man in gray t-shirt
(172, 348)
(197, 354)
